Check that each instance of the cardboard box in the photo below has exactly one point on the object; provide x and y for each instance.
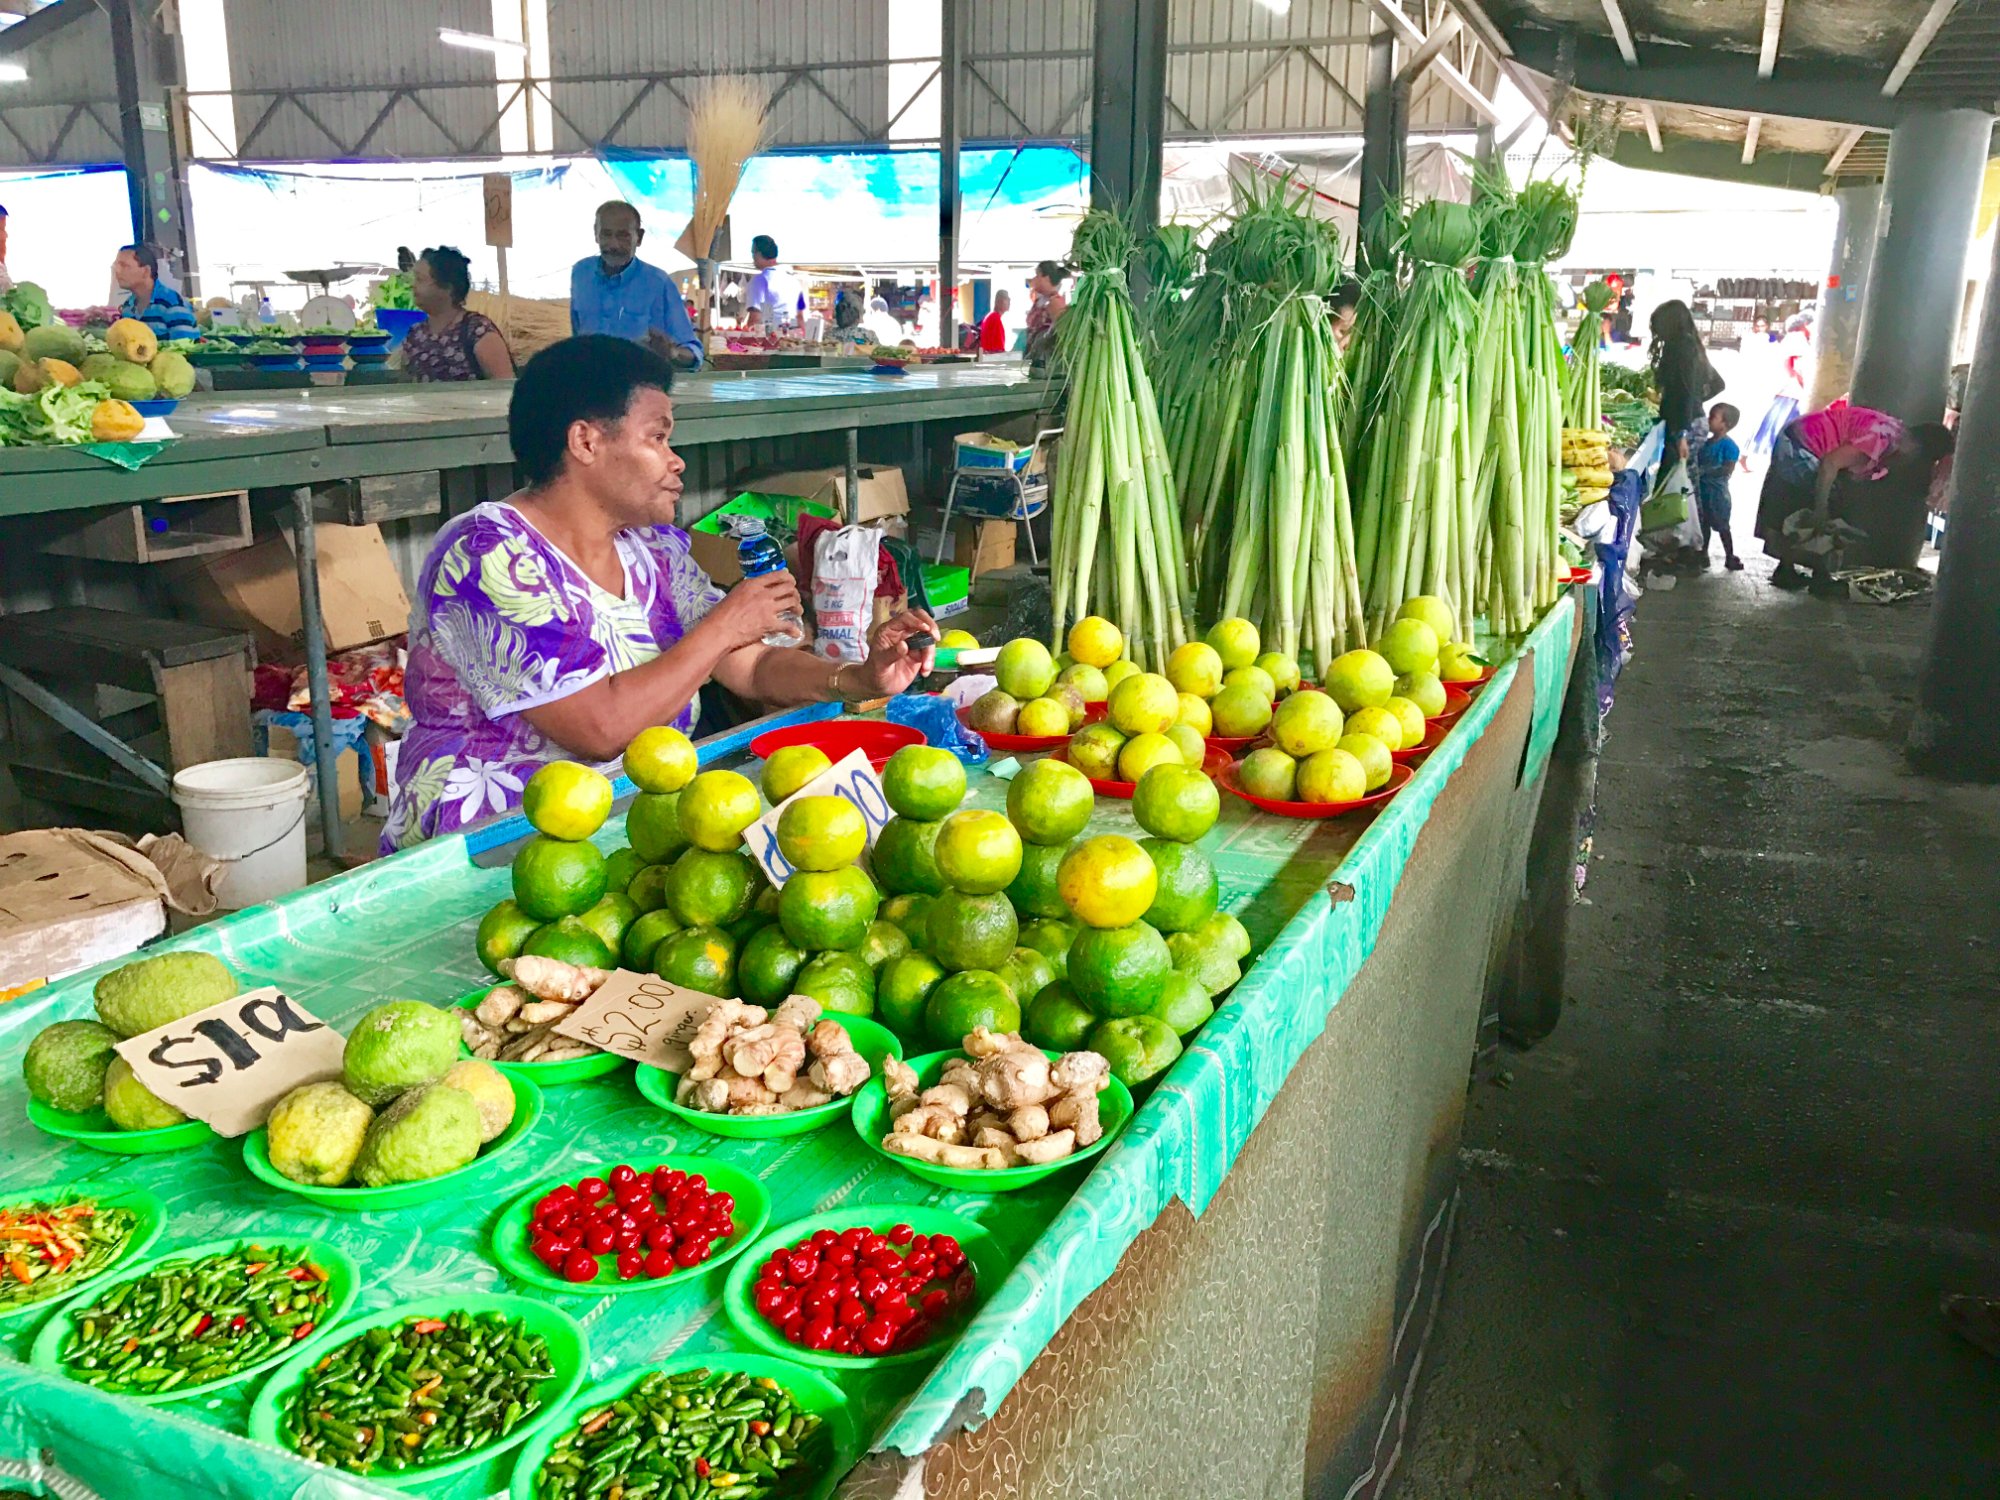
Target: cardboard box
(713, 548)
(257, 590)
(347, 771)
(979, 546)
(882, 491)
(70, 899)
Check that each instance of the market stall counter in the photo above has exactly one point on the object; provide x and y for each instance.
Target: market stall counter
(1238, 1286)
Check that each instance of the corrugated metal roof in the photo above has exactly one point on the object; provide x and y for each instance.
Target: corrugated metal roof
(67, 110)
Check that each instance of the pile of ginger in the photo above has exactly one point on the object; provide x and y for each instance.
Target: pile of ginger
(748, 1061)
(1003, 1104)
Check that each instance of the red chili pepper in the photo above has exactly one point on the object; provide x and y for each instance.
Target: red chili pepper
(203, 1326)
(426, 1325)
(238, 1323)
(17, 1266)
(301, 1331)
(701, 1468)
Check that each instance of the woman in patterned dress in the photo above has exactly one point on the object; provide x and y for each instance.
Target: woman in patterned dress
(558, 623)
(451, 343)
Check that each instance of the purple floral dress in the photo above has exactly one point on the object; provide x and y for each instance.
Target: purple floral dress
(506, 623)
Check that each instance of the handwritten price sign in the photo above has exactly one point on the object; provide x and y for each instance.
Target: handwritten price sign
(227, 1065)
(642, 1017)
(852, 778)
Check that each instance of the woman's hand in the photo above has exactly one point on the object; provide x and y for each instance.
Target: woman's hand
(893, 664)
(752, 610)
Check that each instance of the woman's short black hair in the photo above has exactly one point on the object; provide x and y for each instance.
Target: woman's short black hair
(1054, 270)
(1347, 294)
(1932, 441)
(450, 270)
(589, 378)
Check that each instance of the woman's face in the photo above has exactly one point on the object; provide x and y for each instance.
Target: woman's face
(425, 290)
(1041, 286)
(631, 466)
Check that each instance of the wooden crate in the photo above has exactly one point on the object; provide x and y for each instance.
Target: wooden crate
(162, 530)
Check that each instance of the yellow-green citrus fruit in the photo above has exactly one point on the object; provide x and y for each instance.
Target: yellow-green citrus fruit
(959, 640)
(821, 833)
(1025, 668)
(1360, 679)
(1307, 722)
(1281, 669)
(1042, 716)
(716, 807)
(905, 858)
(978, 851)
(1270, 774)
(1144, 703)
(1050, 802)
(557, 878)
(1087, 680)
(1433, 611)
(1107, 881)
(1332, 776)
(1188, 888)
(1143, 752)
(790, 768)
(1193, 750)
(1235, 641)
(964, 1002)
(1378, 722)
(1425, 689)
(822, 909)
(1195, 668)
(924, 782)
(1411, 718)
(1457, 664)
(1376, 762)
(1176, 802)
(502, 931)
(1094, 749)
(567, 801)
(653, 824)
(1240, 710)
(1095, 642)
(661, 759)
(1195, 713)
(1409, 646)
(1117, 672)
(1255, 677)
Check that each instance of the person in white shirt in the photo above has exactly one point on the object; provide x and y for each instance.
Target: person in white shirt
(6, 281)
(773, 297)
(882, 323)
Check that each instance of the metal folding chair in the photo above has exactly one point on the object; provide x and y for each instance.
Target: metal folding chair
(1028, 500)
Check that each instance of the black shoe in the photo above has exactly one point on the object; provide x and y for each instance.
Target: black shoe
(1826, 586)
(1788, 577)
(1734, 565)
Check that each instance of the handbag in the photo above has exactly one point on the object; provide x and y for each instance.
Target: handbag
(1712, 384)
(1668, 505)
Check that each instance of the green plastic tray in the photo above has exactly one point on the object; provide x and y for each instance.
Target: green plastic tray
(527, 1110)
(569, 1070)
(871, 1123)
(149, 1217)
(343, 1285)
(509, 1240)
(989, 1263)
(569, 1352)
(93, 1128)
(871, 1039)
(813, 1392)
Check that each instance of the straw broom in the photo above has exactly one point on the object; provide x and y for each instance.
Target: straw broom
(728, 123)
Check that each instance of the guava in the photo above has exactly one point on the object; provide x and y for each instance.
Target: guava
(398, 1046)
(133, 1106)
(65, 1064)
(426, 1133)
(315, 1132)
(154, 991)
(489, 1089)
(173, 372)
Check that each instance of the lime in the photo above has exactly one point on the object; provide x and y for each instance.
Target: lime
(715, 809)
(1425, 689)
(660, 759)
(709, 889)
(1117, 672)
(556, 878)
(1306, 722)
(614, 912)
(1094, 749)
(1107, 881)
(567, 801)
(1143, 703)
(841, 982)
(965, 931)
(1137, 1047)
(885, 940)
(912, 912)
(789, 768)
(821, 833)
(1255, 677)
(1270, 774)
(961, 1003)
(1196, 714)
(653, 824)
(822, 909)
(1378, 722)
(1203, 958)
(959, 640)
(1037, 891)
(1027, 973)
(1456, 663)
(924, 782)
(1411, 717)
(1434, 612)
(1183, 1003)
(1241, 709)
(568, 941)
(1360, 679)
(1175, 802)
(905, 858)
(1409, 645)
(902, 985)
(767, 964)
(1193, 750)
(1087, 680)
(1188, 889)
(1057, 1020)
(1051, 939)
(1050, 802)
(1095, 641)
(978, 851)
(1332, 776)
(1025, 669)
(620, 865)
(749, 924)
(1374, 756)
(1230, 935)
(1144, 751)
(1281, 669)
(648, 889)
(698, 958)
(1117, 971)
(1195, 669)
(1042, 716)
(1235, 642)
(502, 931)
(644, 936)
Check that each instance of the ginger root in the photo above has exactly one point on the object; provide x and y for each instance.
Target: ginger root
(1016, 1077)
(800, 1012)
(1052, 1147)
(939, 1153)
(1003, 1104)
(837, 1067)
(1028, 1123)
(1075, 1071)
(932, 1120)
(1077, 1112)
(552, 979)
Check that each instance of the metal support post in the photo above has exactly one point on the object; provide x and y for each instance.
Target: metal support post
(1128, 111)
(951, 63)
(305, 542)
(1840, 300)
(145, 68)
(853, 476)
(1385, 115)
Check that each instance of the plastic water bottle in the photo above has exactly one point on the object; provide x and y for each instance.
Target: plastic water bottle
(757, 553)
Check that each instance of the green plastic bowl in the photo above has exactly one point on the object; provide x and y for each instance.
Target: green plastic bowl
(871, 1123)
(813, 1392)
(510, 1235)
(149, 1217)
(871, 1039)
(989, 1263)
(569, 1070)
(569, 1352)
(93, 1128)
(343, 1285)
(527, 1110)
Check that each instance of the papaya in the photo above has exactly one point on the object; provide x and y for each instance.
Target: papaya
(61, 371)
(173, 373)
(131, 382)
(97, 366)
(53, 341)
(131, 340)
(9, 363)
(115, 422)
(11, 335)
(29, 377)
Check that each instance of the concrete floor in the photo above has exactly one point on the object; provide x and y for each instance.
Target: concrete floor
(1706, 1223)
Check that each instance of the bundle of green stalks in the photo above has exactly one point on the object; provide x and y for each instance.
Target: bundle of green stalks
(1583, 381)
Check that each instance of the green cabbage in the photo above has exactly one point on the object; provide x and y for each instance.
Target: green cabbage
(29, 304)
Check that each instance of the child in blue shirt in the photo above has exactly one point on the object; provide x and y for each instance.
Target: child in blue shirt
(1713, 462)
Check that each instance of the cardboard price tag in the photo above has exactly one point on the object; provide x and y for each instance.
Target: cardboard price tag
(852, 778)
(227, 1065)
(642, 1017)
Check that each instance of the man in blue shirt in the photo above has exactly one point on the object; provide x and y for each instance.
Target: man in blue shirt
(615, 292)
(150, 300)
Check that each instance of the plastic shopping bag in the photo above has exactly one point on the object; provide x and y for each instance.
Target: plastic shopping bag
(1670, 505)
(845, 565)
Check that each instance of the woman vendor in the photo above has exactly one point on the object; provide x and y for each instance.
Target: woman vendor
(558, 623)
(1811, 455)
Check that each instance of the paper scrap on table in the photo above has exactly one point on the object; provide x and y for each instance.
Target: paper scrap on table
(642, 1017)
(227, 1065)
(1006, 769)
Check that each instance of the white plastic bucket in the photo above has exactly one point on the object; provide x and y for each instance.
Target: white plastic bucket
(250, 813)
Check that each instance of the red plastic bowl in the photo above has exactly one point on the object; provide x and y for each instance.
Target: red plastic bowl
(1434, 732)
(1214, 763)
(1399, 777)
(1577, 575)
(1456, 701)
(840, 738)
(1015, 741)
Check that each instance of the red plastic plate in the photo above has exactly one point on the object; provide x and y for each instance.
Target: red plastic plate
(1410, 755)
(1399, 777)
(840, 738)
(1214, 763)
(1577, 575)
(1015, 741)
(1456, 701)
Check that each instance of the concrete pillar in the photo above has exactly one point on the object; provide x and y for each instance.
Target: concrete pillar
(1385, 124)
(145, 67)
(951, 62)
(1840, 300)
(1956, 731)
(1909, 319)
(1128, 109)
